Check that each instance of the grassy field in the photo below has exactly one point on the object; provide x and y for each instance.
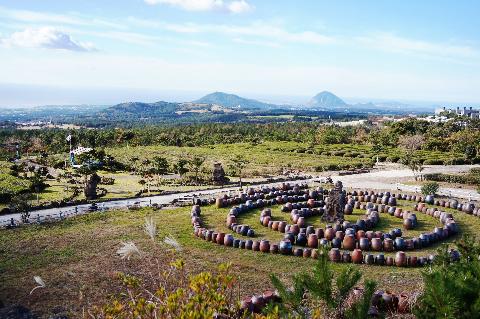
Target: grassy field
(77, 257)
(269, 158)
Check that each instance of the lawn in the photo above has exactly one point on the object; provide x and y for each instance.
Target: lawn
(77, 257)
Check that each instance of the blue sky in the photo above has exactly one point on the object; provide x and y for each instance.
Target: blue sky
(98, 52)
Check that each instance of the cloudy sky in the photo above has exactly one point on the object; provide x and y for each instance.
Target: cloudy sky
(108, 51)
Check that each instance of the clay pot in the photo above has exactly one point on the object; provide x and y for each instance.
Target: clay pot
(312, 241)
(389, 261)
(301, 239)
(357, 256)
(275, 225)
(348, 209)
(307, 252)
(281, 226)
(348, 242)
(407, 223)
(376, 244)
(360, 234)
(329, 233)
(319, 232)
(336, 243)
(334, 255)
(220, 238)
(380, 259)
(399, 243)
(301, 222)
(298, 252)
(340, 234)
(369, 259)
(295, 229)
(412, 261)
(314, 254)
(285, 247)
(219, 202)
(364, 244)
(228, 240)
(274, 248)
(400, 259)
(231, 219)
(256, 245)
(264, 246)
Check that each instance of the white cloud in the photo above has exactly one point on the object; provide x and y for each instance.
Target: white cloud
(31, 17)
(46, 37)
(235, 6)
(392, 43)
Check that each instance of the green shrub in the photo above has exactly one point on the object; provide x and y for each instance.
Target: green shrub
(452, 289)
(178, 295)
(330, 295)
(433, 162)
(430, 188)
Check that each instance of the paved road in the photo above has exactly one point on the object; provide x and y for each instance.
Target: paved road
(383, 178)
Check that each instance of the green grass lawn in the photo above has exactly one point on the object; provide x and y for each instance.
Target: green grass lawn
(77, 257)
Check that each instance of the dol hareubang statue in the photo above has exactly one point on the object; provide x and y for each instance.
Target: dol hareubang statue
(335, 204)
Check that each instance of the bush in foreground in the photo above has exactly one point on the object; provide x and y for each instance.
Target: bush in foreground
(452, 289)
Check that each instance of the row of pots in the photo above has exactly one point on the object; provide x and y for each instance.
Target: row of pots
(286, 247)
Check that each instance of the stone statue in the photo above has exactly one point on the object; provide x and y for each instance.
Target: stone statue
(335, 204)
(218, 174)
(90, 189)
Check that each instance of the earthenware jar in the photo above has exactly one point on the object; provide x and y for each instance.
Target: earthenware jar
(249, 244)
(312, 241)
(369, 259)
(334, 255)
(310, 230)
(285, 247)
(274, 248)
(264, 246)
(399, 243)
(357, 256)
(360, 234)
(336, 243)
(329, 233)
(281, 226)
(295, 229)
(256, 245)
(400, 259)
(250, 232)
(348, 242)
(228, 240)
(380, 259)
(301, 239)
(307, 252)
(290, 236)
(298, 252)
(236, 243)
(364, 244)
(389, 261)
(314, 254)
(376, 244)
(346, 257)
(220, 238)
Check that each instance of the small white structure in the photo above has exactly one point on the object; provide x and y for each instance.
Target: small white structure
(80, 150)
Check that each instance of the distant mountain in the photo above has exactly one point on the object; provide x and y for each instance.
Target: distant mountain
(141, 108)
(326, 99)
(233, 101)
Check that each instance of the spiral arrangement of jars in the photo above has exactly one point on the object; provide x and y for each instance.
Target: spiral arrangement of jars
(356, 239)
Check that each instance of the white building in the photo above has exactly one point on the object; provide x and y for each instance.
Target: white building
(468, 112)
